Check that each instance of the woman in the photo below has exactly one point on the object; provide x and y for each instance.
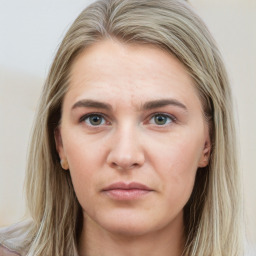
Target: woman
(133, 150)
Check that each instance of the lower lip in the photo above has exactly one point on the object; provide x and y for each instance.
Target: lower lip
(126, 194)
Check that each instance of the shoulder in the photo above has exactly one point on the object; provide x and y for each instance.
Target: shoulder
(14, 240)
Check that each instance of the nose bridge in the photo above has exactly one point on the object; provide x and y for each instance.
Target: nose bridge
(127, 150)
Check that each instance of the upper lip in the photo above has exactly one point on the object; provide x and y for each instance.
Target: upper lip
(127, 186)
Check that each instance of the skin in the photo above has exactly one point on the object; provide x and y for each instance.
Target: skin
(130, 144)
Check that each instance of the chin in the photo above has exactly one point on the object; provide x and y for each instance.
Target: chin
(128, 225)
(128, 229)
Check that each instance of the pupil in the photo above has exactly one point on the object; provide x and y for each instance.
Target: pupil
(160, 119)
(95, 120)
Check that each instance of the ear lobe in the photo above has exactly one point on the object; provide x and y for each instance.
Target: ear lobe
(60, 149)
(205, 157)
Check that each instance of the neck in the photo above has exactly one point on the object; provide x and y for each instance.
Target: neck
(168, 241)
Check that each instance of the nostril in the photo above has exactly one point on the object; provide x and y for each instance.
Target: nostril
(117, 167)
(124, 167)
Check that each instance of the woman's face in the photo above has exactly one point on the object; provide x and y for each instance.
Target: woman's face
(133, 133)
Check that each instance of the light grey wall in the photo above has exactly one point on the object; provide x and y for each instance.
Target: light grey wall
(29, 34)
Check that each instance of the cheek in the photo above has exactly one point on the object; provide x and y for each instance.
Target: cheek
(81, 152)
(83, 160)
(177, 166)
(180, 155)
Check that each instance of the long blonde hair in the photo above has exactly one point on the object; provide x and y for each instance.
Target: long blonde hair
(213, 214)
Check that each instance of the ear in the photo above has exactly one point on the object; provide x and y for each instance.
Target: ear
(205, 156)
(60, 149)
(58, 142)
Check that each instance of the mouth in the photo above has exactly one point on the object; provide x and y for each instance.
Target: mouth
(124, 191)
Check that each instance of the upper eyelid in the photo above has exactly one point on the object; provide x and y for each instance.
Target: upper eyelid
(164, 114)
(83, 117)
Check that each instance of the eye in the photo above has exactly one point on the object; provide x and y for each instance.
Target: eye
(94, 120)
(161, 119)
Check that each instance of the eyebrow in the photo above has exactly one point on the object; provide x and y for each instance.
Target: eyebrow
(91, 104)
(162, 103)
(146, 106)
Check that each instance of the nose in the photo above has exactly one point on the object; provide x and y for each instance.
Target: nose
(126, 150)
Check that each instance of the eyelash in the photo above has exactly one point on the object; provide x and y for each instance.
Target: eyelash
(171, 117)
(83, 118)
(154, 115)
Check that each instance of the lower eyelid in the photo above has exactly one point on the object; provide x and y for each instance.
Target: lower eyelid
(87, 116)
(87, 120)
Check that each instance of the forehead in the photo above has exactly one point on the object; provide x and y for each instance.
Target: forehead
(108, 56)
(132, 71)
